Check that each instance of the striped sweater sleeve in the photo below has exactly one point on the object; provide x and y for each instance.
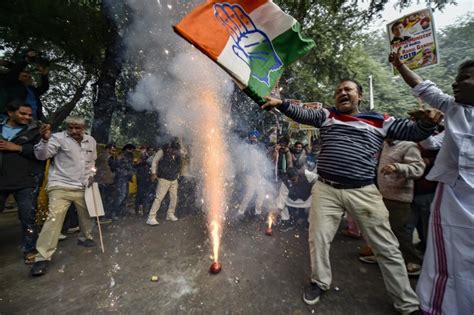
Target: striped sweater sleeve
(313, 117)
(406, 129)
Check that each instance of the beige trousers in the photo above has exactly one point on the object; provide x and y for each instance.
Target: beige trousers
(367, 208)
(164, 186)
(59, 201)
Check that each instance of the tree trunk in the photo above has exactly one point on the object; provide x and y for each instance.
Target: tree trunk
(60, 115)
(106, 101)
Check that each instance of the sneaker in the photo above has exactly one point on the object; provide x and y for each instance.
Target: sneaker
(171, 217)
(39, 268)
(286, 226)
(73, 230)
(413, 270)
(368, 259)
(86, 242)
(312, 294)
(152, 221)
(62, 237)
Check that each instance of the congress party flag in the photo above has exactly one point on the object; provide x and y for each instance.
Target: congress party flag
(253, 40)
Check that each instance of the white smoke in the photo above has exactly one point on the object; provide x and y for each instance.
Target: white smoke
(173, 71)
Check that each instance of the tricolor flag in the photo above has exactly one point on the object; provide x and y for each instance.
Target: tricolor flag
(253, 40)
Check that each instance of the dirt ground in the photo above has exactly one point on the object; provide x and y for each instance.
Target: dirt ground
(261, 274)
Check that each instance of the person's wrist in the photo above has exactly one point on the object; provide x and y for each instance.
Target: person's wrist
(399, 65)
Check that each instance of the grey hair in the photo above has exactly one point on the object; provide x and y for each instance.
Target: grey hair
(75, 120)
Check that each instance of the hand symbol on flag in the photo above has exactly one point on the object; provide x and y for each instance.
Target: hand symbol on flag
(250, 44)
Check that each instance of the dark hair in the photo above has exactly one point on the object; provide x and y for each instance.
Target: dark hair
(466, 64)
(129, 146)
(395, 24)
(15, 105)
(359, 87)
(297, 142)
(110, 146)
(291, 172)
(284, 139)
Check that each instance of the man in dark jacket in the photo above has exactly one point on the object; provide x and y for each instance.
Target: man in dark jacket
(19, 169)
(166, 167)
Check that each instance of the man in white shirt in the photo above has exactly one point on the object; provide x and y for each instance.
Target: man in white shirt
(447, 277)
(72, 168)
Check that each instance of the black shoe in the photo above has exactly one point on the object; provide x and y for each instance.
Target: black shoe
(312, 293)
(39, 268)
(86, 243)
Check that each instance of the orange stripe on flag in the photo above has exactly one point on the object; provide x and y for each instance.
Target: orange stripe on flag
(204, 31)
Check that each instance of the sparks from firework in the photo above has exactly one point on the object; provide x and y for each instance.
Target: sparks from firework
(214, 160)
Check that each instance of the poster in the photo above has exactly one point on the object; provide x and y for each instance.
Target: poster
(94, 201)
(415, 35)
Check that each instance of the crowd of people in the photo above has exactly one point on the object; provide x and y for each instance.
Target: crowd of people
(388, 175)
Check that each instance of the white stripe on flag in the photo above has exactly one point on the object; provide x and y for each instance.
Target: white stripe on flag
(271, 19)
(239, 69)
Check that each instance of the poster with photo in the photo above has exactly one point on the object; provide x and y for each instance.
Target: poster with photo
(415, 34)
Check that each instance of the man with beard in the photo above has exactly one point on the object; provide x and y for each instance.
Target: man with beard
(18, 134)
(350, 142)
(447, 276)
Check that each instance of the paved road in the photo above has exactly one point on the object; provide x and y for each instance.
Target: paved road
(261, 274)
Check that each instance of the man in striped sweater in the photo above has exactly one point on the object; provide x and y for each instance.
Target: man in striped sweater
(350, 143)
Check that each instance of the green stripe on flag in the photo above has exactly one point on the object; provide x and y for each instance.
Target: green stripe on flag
(289, 46)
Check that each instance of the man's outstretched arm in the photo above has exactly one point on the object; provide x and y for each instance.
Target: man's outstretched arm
(410, 77)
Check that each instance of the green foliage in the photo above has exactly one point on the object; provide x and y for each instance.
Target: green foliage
(391, 94)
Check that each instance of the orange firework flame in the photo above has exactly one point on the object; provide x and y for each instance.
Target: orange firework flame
(214, 160)
(270, 220)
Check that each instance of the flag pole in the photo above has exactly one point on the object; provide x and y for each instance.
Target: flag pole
(371, 91)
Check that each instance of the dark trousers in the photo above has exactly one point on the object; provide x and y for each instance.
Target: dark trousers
(26, 202)
(107, 195)
(120, 198)
(399, 214)
(145, 193)
(298, 215)
(420, 216)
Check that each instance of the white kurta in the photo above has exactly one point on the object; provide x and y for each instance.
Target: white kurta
(446, 284)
